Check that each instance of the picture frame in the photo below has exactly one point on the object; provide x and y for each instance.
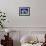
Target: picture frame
(24, 11)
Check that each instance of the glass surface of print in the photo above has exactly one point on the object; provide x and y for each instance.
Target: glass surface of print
(24, 11)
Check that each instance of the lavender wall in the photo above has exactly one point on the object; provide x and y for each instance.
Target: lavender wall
(36, 19)
(16, 35)
(35, 22)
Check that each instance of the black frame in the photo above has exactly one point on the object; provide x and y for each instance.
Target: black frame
(24, 8)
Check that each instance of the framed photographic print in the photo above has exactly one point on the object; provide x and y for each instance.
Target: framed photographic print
(24, 11)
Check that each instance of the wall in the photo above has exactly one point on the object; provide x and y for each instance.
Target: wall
(17, 35)
(36, 19)
(35, 22)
